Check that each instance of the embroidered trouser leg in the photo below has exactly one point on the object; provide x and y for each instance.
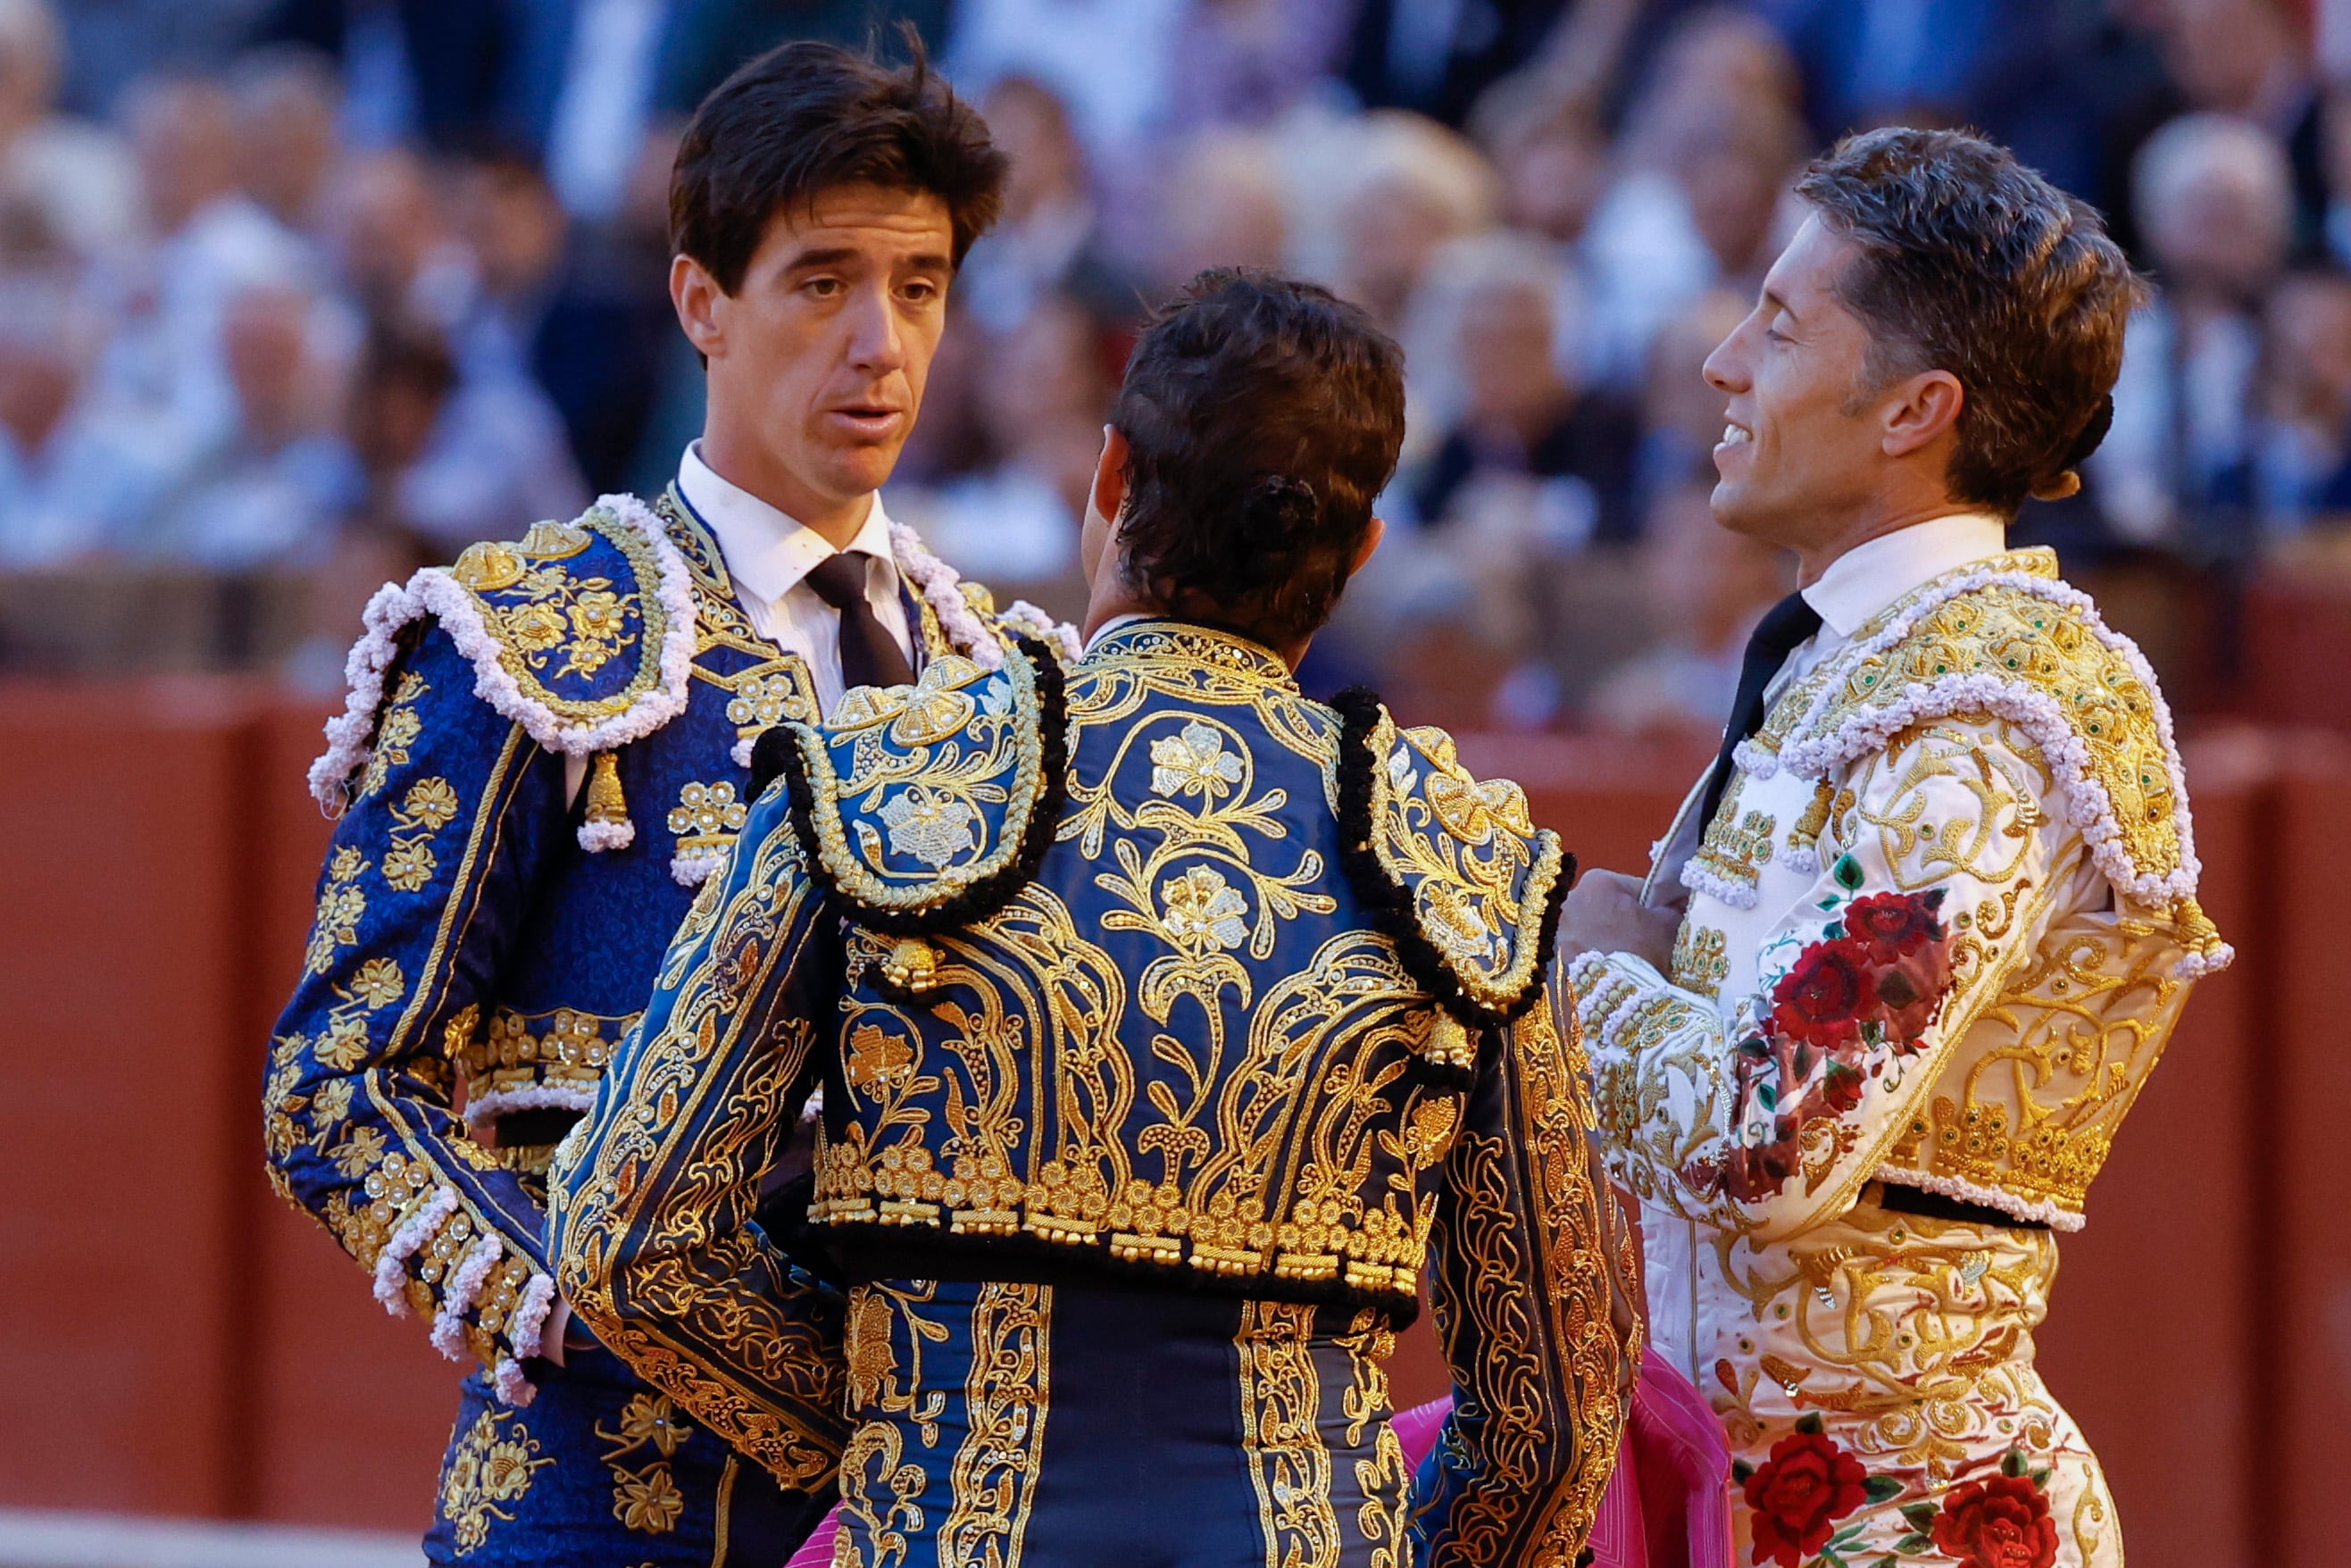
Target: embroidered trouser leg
(1063, 1424)
(602, 1470)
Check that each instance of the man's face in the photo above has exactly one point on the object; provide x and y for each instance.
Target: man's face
(1801, 448)
(821, 352)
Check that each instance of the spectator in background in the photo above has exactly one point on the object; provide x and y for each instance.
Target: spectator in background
(286, 105)
(161, 390)
(271, 490)
(52, 508)
(1415, 185)
(2301, 461)
(498, 450)
(77, 177)
(1528, 441)
(1249, 62)
(1681, 416)
(2214, 198)
(1046, 242)
(1705, 588)
(1110, 60)
(1015, 521)
(1435, 56)
(401, 393)
(2251, 59)
(1223, 203)
(1691, 198)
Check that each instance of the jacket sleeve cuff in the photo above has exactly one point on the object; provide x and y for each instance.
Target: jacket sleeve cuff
(484, 1294)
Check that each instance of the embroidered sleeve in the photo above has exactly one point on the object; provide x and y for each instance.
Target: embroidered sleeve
(653, 1193)
(448, 819)
(1767, 1112)
(1534, 1287)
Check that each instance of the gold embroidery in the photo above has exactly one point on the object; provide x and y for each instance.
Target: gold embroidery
(342, 907)
(430, 805)
(2051, 651)
(1480, 873)
(551, 624)
(1281, 1438)
(1737, 848)
(565, 1046)
(1700, 961)
(495, 1463)
(395, 732)
(993, 1480)
(960, 754)
(707, 818)
(1384, 1479)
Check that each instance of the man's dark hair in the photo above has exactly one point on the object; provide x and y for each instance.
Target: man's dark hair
(1262, 417)
(1974, 264)
(803, 119)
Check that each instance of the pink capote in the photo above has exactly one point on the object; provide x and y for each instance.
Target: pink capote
(1667, 1506)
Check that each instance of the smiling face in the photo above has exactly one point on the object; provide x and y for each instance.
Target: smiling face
(819, 358)
(1803, 449)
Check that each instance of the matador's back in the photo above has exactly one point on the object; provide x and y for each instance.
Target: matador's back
(1149, 980)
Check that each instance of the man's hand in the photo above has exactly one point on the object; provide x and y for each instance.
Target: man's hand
(1605, 914)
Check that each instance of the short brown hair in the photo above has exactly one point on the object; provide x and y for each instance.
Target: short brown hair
(1974, 264)
(802, 119)
(1262, 417)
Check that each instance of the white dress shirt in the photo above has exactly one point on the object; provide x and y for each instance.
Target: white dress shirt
(1854, 587)
(770, 555)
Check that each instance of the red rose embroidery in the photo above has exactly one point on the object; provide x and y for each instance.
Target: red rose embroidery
(1822, 1000)
(2002, 1522)
(1840, 1090)
(1895, 924)
(1798, 1494)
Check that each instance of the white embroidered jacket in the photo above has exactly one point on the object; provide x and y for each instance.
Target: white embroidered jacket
(1938, 930)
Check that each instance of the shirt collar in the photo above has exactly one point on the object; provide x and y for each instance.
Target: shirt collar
(1112, 624)
(767, 552)
(1875, 573)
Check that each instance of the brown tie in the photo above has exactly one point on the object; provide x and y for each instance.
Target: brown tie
(869, 657)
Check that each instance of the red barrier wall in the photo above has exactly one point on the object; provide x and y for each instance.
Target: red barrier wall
(183, 1342)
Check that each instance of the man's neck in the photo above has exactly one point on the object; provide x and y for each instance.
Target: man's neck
(1811, 563)
(756, 473)
(1106, 608)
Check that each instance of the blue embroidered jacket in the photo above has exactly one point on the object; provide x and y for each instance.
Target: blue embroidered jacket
(1151, 968)
(486, 931)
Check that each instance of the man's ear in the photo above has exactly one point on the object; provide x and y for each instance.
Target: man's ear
(696, 296)
(1921, 409)
(1372, 537)
(1108, 493)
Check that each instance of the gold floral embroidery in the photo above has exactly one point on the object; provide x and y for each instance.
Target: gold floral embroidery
(342, 907)
(551, 625)
(648, 1500)
(395, 732)
(430, 805)
(494, 1463)
(1193, 761)
(1479, 872)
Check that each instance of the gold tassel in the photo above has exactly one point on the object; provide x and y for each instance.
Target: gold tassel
(1450, 1044)
(608, 807)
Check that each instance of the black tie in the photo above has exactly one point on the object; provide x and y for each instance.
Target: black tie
(1783, 626)
(868, 654)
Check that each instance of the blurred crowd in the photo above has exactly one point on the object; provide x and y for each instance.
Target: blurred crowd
(309, 292)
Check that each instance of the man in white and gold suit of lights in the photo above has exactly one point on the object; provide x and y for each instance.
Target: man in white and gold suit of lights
(1916, 940)
(1169, 1021)
(551, 744)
